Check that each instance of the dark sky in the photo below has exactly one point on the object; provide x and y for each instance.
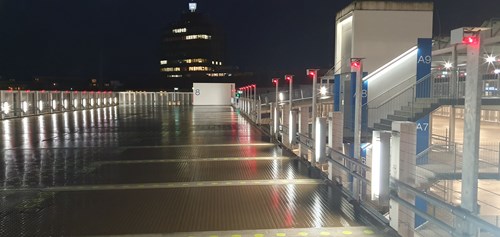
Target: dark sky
(75, 38)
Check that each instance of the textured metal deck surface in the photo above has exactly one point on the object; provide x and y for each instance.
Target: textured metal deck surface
(146, 170)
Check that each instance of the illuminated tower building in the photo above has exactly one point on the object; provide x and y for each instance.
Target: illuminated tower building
(192, 51)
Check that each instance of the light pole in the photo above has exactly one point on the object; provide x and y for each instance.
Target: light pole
(276, 84)
(313, 74)
(175, 95)
(291, 129)
(254, 101)
(357, 66)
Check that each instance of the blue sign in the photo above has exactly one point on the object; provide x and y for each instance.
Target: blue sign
(424, 61)
(336, 93)
(364, 101)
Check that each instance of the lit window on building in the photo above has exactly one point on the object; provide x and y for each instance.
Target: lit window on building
(194, 60)
(174, 76)
(163, 62)
(179, 30)
(171, 69)
(195, 37)
(220, 74)
(198, 68)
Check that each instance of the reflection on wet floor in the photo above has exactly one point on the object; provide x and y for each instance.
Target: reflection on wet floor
(139, 170)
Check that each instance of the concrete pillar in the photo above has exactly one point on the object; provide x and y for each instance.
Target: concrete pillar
(472, 114)
(286, 122)
(380, 166)
(304, 129)
(259, 112)
(330, 129)
(403, 168)
(320, 140)
(277, 120)
(338, 131)
(292, 127)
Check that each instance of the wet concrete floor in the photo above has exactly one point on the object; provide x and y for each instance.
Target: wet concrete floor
(149, 170)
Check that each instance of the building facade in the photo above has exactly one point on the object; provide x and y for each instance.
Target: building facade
(193, 51)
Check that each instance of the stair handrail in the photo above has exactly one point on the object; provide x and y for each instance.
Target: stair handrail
(414, 84)
(390, 98)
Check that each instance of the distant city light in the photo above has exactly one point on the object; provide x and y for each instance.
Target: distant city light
(323, 90)
(195, 37)
(497, 71)
(491, 59)
(448, 65)
(179, 30)
(282, 97)
(192, 6)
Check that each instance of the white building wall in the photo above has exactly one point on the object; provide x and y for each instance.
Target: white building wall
(379, 32)
(212, 93)
(380, 36)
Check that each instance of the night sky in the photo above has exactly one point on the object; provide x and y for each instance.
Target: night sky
(121, 38)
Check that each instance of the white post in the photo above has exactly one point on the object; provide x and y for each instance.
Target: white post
(357, 119)
(320, 140)
(403, 168)
(472, 130)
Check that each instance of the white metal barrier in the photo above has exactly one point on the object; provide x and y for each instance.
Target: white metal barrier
(21, 103)
(155, 98)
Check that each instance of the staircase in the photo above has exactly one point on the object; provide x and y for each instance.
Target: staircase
(411, 112)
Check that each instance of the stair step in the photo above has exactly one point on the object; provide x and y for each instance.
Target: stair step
(379, 126)
(403, 113)
(427, 100)
(414, 109)
(398, 118)
(386, 122)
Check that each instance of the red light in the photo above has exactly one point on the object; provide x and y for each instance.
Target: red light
(355, 64)
(275, 81)
(288, 78)
(254, 86)
(27, 91)
(311, 73)
(470, 40)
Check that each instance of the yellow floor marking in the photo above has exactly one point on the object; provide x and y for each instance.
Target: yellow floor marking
(346, 232)
(324, 233)
(235, 235)
(281, 234)
(213, 236)
(303, 233)
(368, 232)
(258, 235)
